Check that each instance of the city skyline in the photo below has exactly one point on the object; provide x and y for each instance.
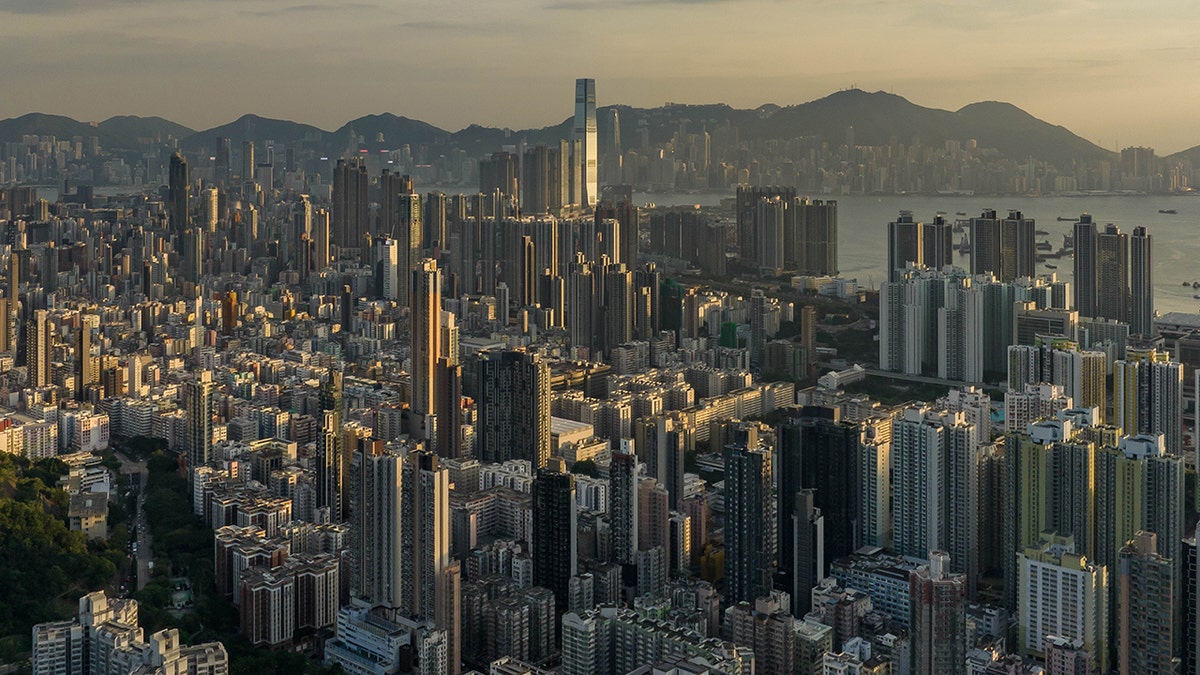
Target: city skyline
(106, 53)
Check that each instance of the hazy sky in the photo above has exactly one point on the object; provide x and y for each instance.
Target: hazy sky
(1116, 72)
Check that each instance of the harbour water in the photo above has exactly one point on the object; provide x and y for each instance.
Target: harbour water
(862, 230)
(863, 219)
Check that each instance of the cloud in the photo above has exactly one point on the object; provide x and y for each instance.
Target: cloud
(609, 4)
(59, 6)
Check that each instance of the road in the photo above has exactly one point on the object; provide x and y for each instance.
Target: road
(925, 379)
(138, 473)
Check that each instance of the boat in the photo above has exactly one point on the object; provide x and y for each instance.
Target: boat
(1041, 233)
(1064, 219)
(1171, 211)
(1051, 267)
(960, 213)
(1196, 297)
(1187, 283)
(1045, 246)
(1196, 284)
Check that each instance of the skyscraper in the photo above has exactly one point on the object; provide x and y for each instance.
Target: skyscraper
(1147, 609)
(333, 463)
(771, 218)
(424, 532)
(224, 153)
(387, 268)
(535, 181)
(350, 204)
(447, 408)
(247, 175)
(1005, 247)
(409, 231)
(198, 399)
(425, 318)
(329, 474)
(37, 348)
(1084, 262)
(938, 610)
(662, 443)
(905, 244)
(815, 249)
(819, 452)
(934, 484)
(624, 478)
(748, 526)
(1141, 286)
(808, 551)
(1148, 396)
(1062, 593)
(391, 186)
(584, 129)
(377, 478)
(514, 407)
(86, 372)
(1138, 487)
(434, 222)
(178, 193)
(1112, 274)
(554, 543)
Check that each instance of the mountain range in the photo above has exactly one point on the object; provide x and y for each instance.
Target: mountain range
(878, 118)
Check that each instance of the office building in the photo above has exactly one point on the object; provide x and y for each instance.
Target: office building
(584, 129)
